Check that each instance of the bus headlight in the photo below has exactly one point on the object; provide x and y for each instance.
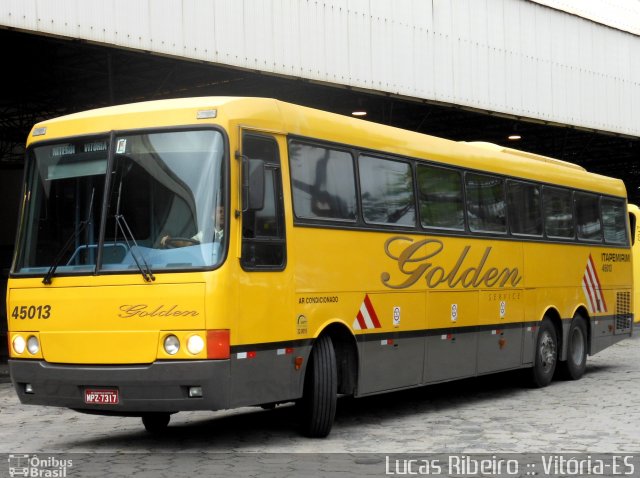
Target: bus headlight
(195, 344)
(33, 346)
(171, 344)
(18, 344)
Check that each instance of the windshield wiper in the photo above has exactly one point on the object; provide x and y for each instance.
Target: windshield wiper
(56, 262)
(121, 223)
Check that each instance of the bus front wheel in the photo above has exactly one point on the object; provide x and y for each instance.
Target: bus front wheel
(318, 405)
(576, 362)
(156, 423)
(546, 356)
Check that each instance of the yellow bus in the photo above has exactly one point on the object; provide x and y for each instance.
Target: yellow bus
(212, 253)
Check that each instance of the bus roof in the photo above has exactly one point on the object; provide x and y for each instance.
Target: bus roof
(286, 118)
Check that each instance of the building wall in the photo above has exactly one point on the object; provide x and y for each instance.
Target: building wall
(619, 14)
(515, 57)
(10, 185)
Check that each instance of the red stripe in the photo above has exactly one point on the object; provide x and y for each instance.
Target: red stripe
(597, 282)
(591, 285)
(592, 282)
(372, 312)
(593, 268)
(361, 321)
(587, 283)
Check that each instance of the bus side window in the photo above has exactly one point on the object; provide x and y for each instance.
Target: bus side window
(588, 223)
(524, 204)
(632, 225)
(440, 197)
(322, 183)
(486, 205)
(614, 220)
(558, 213)
(386, 191)
(263, 234)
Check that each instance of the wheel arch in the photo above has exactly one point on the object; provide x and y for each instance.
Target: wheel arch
(347, 359)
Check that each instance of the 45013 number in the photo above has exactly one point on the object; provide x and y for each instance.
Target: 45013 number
(31, 312)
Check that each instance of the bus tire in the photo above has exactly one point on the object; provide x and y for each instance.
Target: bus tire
(546, 355)
(575, 365)
(156, 423)
(318, 404)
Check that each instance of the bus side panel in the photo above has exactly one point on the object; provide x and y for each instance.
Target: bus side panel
(451, 356)
(387, 364)
(389, 359)
(500, 348)
(267, 375)
(500, 345)
(602, 334)
(452, 341)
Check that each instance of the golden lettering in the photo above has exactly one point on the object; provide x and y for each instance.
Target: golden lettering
(143, 310)
(415, 261)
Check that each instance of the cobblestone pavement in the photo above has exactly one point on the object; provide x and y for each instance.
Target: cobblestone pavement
(498, 414)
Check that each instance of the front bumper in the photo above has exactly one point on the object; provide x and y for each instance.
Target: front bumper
(155, 387)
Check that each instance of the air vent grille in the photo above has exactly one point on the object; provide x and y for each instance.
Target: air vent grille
(623, 312)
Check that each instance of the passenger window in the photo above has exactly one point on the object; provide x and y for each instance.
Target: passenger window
(263, 232)
(558, 213)
(525, 208)
(588, 217)
(322, 182)
(440, 198)
(486, 207)
(386, 191)
(614, 212)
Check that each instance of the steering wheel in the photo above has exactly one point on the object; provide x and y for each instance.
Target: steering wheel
(175, 242)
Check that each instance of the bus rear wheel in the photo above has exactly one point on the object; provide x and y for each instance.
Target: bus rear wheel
(318, 405)
(156, 423)
(576, 363)
(546, 356)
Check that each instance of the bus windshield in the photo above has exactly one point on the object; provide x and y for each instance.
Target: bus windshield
(164, 204)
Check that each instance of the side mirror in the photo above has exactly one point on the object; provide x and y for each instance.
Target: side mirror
(252, 184)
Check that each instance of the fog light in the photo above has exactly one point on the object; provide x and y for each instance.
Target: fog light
(33, 346)
(19, 344)
(195, 344)
(171, 344)
(28, 388)
(195, 392)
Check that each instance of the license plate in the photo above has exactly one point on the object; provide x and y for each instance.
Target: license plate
(101, 396)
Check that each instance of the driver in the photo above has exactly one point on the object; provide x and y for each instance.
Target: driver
(217, 218)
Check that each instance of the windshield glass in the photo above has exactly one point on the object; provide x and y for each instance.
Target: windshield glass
(164, 210)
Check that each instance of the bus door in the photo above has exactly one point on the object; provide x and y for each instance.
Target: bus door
(261, 369)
